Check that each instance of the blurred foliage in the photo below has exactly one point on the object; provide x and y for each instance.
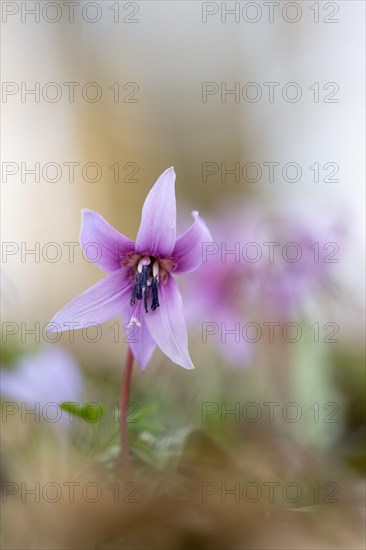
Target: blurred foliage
(349, 376)
(9, 352)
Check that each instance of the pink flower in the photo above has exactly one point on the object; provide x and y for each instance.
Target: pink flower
(140, 284)
(51, 375)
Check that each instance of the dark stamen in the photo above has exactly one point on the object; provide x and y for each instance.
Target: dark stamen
(139, 286)
(146, 295)
(155, 294)
(145, 275)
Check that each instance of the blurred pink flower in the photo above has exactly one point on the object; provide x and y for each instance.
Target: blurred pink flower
(307, 267)
(226, 284)
(262, 266)
(51, 375)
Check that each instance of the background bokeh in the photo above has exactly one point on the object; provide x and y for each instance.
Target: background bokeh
(168, 50)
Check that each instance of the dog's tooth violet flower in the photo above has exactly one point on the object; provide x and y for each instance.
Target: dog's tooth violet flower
(140, 285)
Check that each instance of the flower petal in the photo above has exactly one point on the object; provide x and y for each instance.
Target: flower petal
(144, 346)
(137, 336)
(187, 252)
(106, 244)
(99, 303)
(167, 324)
(157, 232)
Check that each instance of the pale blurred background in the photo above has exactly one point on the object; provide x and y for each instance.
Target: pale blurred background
(168, 53)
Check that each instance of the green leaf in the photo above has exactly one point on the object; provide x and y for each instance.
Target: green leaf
(90, 412)
(148, 410)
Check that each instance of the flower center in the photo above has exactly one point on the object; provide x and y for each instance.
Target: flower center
(149, 273)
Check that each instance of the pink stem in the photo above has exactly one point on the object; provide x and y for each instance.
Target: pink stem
(125, 397)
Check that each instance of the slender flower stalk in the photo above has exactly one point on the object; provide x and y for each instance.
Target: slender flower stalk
(125, 398)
